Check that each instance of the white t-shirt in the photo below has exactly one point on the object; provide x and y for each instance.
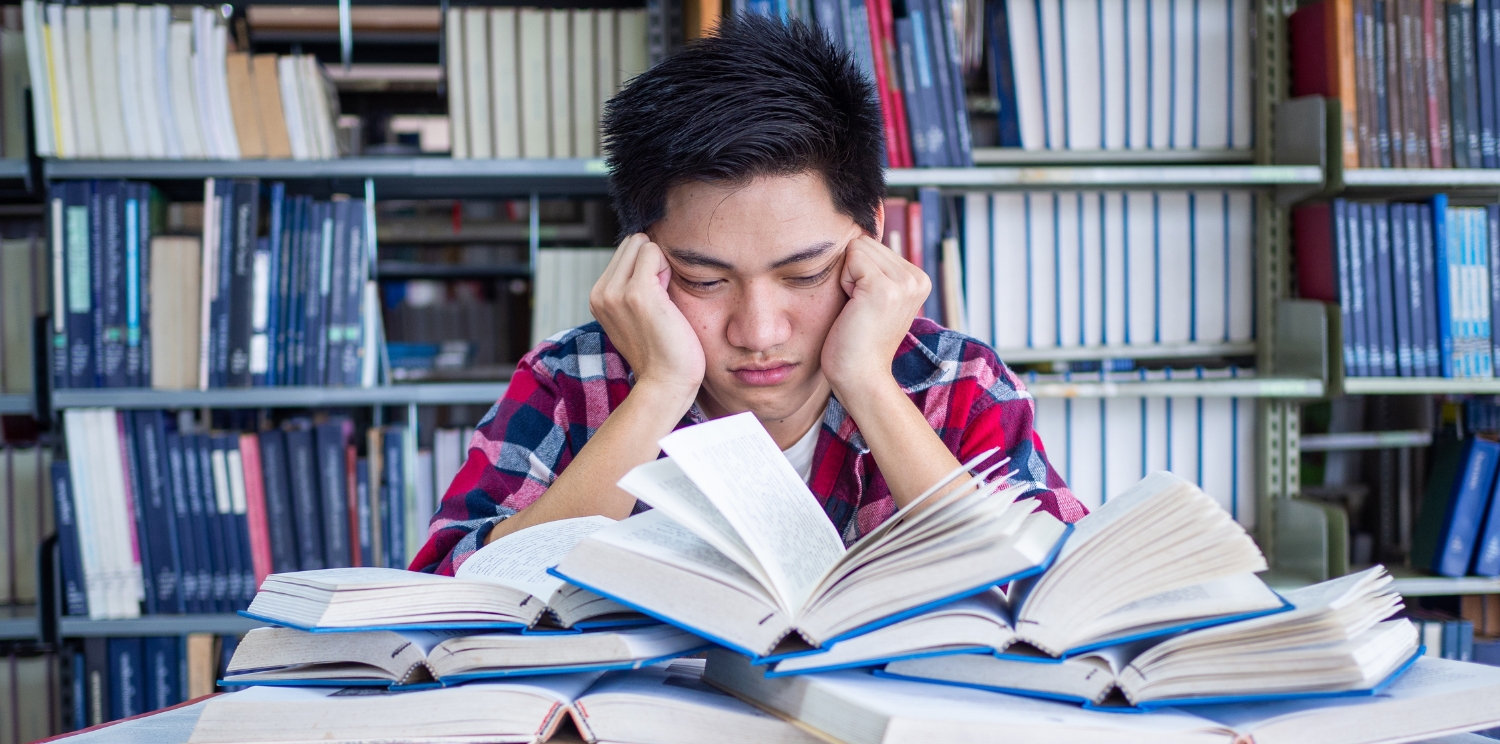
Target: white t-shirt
(800, 454)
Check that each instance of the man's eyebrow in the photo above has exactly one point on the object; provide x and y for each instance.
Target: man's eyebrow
(694, 258)
(808, 253)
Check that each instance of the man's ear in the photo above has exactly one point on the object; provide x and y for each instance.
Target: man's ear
(879, 235)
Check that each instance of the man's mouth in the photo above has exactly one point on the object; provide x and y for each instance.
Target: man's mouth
(771, 374)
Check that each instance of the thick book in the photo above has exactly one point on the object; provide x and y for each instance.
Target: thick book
(1435, 697)
(1337, 641)
(241, 236)
(332, 491)
(302, 469)
(281, 524)
(74, 598)
(257, 522)
(163, 681)
(736, 549)
(406, 659)
(497, 587)
(1400, 290)
(1461, 479)
(188, 511)
(158, 509)
(127, 677)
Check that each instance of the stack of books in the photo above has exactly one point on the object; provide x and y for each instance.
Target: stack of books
(159, 81)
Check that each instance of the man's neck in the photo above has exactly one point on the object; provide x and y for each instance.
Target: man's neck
(787, 430)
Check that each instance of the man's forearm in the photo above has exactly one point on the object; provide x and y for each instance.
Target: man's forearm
(909, 452)
(587, 487)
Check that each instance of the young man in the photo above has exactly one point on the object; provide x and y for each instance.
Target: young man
(746, 172)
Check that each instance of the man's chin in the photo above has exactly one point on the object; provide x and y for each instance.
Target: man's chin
(767, 402)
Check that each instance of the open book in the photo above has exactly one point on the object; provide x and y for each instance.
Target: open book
(737, 549)
(286, 656)
(1335, 642)
(503, 585)
(1435, 697)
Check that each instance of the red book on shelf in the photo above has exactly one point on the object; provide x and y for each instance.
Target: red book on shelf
(1322, 51)
(914, 238)
(356, 546)
(883, 87)
(881, 18)
(255, 507)
(895, 225)
(1312, 234)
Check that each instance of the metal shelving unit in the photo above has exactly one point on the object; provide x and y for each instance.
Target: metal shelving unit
(1264, 387)
(158, 625)
(1160, 351)
(447, 393)
(1419, 386)
(15, 404)
(1365, 440)
(1436, 179)
(1109, 177)
(14, 169)
(18, 623)
(1015, 156)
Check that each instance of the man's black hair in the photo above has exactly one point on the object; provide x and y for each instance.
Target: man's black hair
(758, 97)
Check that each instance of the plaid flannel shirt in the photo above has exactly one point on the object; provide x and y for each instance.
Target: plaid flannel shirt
(563, 390)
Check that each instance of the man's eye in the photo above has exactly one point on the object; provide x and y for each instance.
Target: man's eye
(808, 281)
(710, 284)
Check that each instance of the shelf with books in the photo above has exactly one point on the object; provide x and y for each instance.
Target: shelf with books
(1420, 385)
(17, 622)
(157, 625)
(1109, 176)
(448, 393)
(1152, 351)
(1019, 156)
(15, 404)
(1265, 387)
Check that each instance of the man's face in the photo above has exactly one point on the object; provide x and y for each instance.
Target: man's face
(755, 269)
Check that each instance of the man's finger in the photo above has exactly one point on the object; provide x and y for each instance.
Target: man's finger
(622, 264)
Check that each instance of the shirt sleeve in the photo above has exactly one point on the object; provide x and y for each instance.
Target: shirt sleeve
(515, 454)
(1002, 415)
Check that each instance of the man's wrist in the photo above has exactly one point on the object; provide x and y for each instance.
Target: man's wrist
(674, 398)
(860, 391)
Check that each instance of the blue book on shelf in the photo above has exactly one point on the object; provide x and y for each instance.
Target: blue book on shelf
(74, 595)
(1385, 300)
(1431, 333)
(1487, 549)
(1453, 507)
(163, 673)
(1401, 286)
(127, 678)
(1445, 264)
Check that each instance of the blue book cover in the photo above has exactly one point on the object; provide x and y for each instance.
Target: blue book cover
(1487, 550)
(134, 490)
(1003, 76)
(1433, 332)
(133, 214)
(195, 562)
(362, 503)
(163, 672)
(333, 490)
(1458, 519)
(214, 588)
(1494, 47)
(355, 273)
(1357, 329)
(215, 449)
(393, 506)
(1400, 286)
(110, 234)
(242, 290)
(932, 241)
(320, 258)
(79, 687)
(336, 299)
(1340, 230)
(301, 290)
(1369, 240)
(1481, 336)
(241, 520)
(1443, 261)
(157, 508)
(127, 678)
(1385, 292)
(224, 278)
(281, 526)
(265, 373)
(1416, 298)
(1486, 69)
(926, 21)
(74, 595)
(302, 473)
(1492, 240)
(918, 113)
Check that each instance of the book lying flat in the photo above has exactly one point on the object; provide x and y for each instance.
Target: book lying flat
(1435, 697)
(1335, 642)
(738, 550)
(503, 585)
(285, 656)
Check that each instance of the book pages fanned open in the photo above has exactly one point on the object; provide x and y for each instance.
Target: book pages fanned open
(738, 550)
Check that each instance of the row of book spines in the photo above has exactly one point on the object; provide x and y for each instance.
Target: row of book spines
(1418, 81)
(115, 678)
(215, 514)
(1413, 283)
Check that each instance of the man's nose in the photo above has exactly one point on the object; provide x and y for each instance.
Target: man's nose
(760, 321)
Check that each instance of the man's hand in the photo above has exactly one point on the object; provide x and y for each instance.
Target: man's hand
(630, 300)
(885, 293)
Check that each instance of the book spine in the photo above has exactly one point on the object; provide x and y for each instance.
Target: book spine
(112, 284)
(1385, 295)
(319, 266)
(1417, 307)
(1351, 334)
(223, 278)
(1432, 332)
(146, 196)
(127, 678)
(130, 477)
(1435, 53)
(284, 226)
(302, 469)
(354, 510)
(365, 512)
(267, 348)
(1465, 508)
(394, 504)
(242, 280)
(1443, 261)
(332, 488)
(257, 522)
(163, 672)
(931, 200)
(334, 292)
(1355, 233)
(74, 598)
(296, 291)
(96, 671)
(921, 154)
(158, 509)
(280, 523)
(1366, 114)
(215, 590)
(241, 518)
(1341, 69)
(1414, 85)
(193, 563)
(1388, 81)
(1457, 48)
(927, 23)
(882, 83)
(1399, 287)
(1486, 67)
(259, 348)
(133, 212)
(883, 32)
(1470, 61)
(78, 269)
(216, 510)
(1493, 6)
(1003, 75)
(353, 288)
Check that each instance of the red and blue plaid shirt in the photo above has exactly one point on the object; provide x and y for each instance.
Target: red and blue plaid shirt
(563, 390)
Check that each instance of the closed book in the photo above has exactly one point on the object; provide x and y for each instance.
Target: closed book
(74, 598)
(1322, 48)
(306, 506)
(1320, 235)
(919, 113)
(337, 298)
(257, 524)
(238, 502)
(281, 292)
(393, 503)
(1485, 42)
(1444, 248)
(1388, 85)
(266, 308)
(1413, 82)
(1455, 23)
(271, 116)
(476, 68)
(1492, 234)
(281, 523)
(190, 540)
(109, 236)
(315, 330)
(222, 249)
(130, 479)
(245, 218)
(1384, 305)
(559, 79)
(1400, 286)
(1367, 114)
(365, 512)
(1433, 331)
(1404, 218)
(458, 110)
(505, 77)
(136, 237)
(883, 33)
(1493, 43)
(1003, 75)
(356, 274)
(535, 105)
(163, 672)
(1435, 54)
(585, 117)
(1459, 484)
(97, 678)
(213, 460)
(213, 576)
(931, 42)
(158, 509)
(931, 200)
(333, 493)
(243, 106)
(127, 677)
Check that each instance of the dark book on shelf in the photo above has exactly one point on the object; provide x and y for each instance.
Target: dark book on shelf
(931, 43)
(266, 350)
(918, 112)
(196, 574)
(932, 240)
(1002, 74)
(1372, 151)
(393, 505)
(1435, 57)
(281, 525)
(1400, 286)
(1460, 480)
(1486, 560)
(134, 502)
(365, 512)
(315, 333)
(109, 236)
(1492, 232)
(1411, 73)
(1432, 334)
(243, 227)
(336, 298)
(302, 471)
(329, 439)
(163, 672)
(1484, 19)
(218, 252)
(98, 680)
(74, 598)
(213, 576)
(158, 510)
(356, 259)
(127, 678)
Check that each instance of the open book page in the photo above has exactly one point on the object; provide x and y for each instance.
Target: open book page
(1232, 595)
(426, 640)
(736, 464)
(367, 577)
(663, 485)
(520, 560)
(656, 536)
(1115, 509)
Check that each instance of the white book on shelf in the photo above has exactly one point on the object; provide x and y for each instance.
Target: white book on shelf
(423, 488)
(453, 62)
(1113, 69)
(148, 101)
(1210, 266)
(1054, 94)
(566, 304)
(630, 44)
(1155, 425)
(1217, 447)
(185, 91)
(208, 125)
(317, 89)
(288, 80)
(1026, 67)
(416, 521)
(161, 69)
(64, 116)
(544, 294)
(977, 251)
(606, 60)
(219, 86)
(109, 116)
(1242, 412)
(1241, 266)
(585, 111)
(1084, 83)
(1174, 268)
(1091, 267)
(129, 83)
(1123, 442)
(1041, 279)
(505, 77)
(477, 68)
(447, 458)
(1241, 64)
(1009, 241)
(76, 51)
(536, 134)
(1086, 450)
(1114, 287)
(560, 83)
(1139, 208)
(91, 546)
(1159, 38)
(128, 583)
(1137, 79)
(1184, 428)
(1185, 93)
(1214, 77)
(209, 280)
(1067, 248)
(39, 70)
